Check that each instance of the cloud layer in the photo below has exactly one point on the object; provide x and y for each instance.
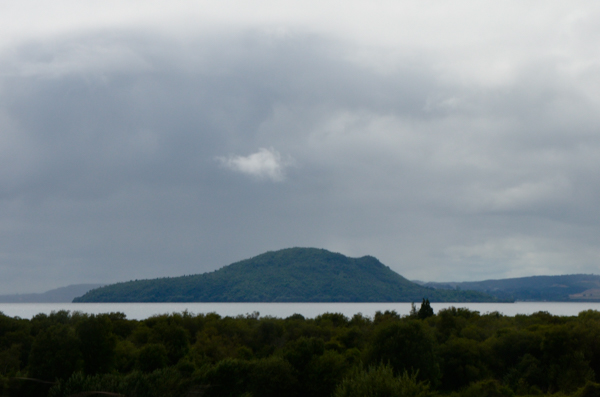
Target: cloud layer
(452, 142)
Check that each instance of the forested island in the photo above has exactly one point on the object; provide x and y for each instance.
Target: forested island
(288, 275)
(455, 352)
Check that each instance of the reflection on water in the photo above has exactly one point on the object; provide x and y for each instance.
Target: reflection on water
(141, 311)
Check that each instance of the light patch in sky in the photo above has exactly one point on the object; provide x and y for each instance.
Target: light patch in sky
(264, 164)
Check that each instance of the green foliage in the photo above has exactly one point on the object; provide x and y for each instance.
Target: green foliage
(380, 381)
(228, 378)
(55, 353)
(591, 389)
(301, 352)
(463, 362)
(452, 321)
(173, 337)
(161, 383)
(456, 353)
(487, 388)
(15, 343)
(151, 357)
(272, 377)
(97, 343)
(407, 346)
(125, 356)
(563, 359)
(265, 377)
(425, 310)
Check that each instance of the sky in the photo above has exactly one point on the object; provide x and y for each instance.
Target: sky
(453, 141)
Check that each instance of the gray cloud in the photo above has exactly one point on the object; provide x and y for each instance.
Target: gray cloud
(444, 162)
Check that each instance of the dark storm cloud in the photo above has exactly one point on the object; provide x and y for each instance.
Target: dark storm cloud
(89, 129)
(138, 154)
(115, 165)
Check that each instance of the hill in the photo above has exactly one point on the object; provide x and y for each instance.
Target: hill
(289, 275)
(58, 295)
(566, 288)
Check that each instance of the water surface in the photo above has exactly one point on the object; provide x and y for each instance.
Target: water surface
(141, 311)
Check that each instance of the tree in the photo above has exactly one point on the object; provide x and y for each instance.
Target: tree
(406, 345)
(228, 378)
(173, 337)
(462, 363)
(153, 356)
(55, 354)
(413, 311)
(380, 382)
(426, 310)
(272, 377)
(487, 388)
(98, 344)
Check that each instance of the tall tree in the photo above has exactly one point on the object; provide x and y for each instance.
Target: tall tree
(426, 310)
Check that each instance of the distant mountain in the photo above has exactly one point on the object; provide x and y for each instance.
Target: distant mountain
(58, 295)
(567, 288)
(289, 275)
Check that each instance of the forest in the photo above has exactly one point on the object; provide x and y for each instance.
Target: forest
(455, 352)
(288, 275)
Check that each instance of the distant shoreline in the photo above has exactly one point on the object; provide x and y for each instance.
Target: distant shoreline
(145, 310)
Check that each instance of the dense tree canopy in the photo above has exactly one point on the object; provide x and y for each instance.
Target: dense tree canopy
(455, 352)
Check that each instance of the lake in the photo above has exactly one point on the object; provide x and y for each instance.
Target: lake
(140, 311)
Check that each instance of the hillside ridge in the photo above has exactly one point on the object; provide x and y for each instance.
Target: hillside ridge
(558, 288)
(287, 275)
(57, 295)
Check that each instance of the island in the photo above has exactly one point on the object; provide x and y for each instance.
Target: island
(287, 275)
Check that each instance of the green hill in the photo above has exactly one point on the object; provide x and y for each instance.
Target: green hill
(564, 288)
(289, 275)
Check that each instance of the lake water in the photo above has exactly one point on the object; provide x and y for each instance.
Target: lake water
(140, 311)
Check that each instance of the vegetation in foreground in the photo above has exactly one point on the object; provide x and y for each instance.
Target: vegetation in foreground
(455, 353)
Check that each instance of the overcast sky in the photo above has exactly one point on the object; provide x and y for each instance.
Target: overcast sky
(454, 141)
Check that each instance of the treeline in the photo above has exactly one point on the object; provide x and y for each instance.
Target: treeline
(455, 352)
(570, 287)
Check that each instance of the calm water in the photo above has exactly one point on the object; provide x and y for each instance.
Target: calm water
(141, 311)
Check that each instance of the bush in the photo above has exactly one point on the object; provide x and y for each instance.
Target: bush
(380, 382)
(55, 354)
(487, 388)
(160, 383)
(408, 346)
(591, 389)
(153, 356)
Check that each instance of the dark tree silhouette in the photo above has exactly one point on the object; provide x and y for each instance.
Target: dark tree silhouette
(425, 310)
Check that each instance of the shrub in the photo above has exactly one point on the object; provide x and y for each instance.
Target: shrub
(380, 382)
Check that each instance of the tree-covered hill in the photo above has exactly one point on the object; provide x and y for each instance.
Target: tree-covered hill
(565, 288)
(289, 275)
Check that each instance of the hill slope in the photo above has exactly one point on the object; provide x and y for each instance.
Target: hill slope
(573, 287)
(289, 275)
(58, 295)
